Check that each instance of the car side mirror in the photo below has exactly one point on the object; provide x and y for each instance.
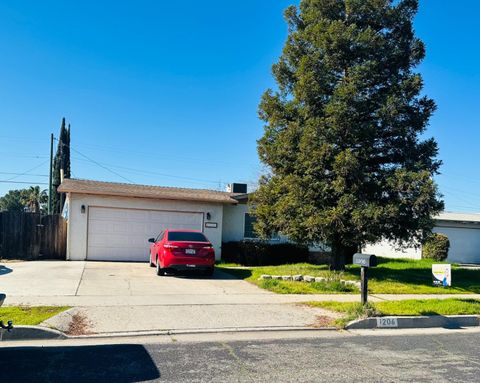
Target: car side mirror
(152, 240)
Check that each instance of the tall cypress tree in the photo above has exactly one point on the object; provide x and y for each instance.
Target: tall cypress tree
(343, 131)
(61, 161)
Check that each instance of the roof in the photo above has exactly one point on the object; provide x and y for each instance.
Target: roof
(70, 185)
(458, 217)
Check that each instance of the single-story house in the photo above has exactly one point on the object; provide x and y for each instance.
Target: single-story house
(113, 221)
(462, 230)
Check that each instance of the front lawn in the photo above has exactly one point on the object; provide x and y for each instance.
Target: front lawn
(411, 307)
(252, 274)
(21, 315)
(391, 276)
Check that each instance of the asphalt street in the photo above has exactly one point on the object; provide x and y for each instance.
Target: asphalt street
(319, 357)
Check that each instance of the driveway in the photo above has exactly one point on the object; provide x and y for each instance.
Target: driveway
(119, 296)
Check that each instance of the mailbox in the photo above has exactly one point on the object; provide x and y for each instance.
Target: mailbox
(365, 260)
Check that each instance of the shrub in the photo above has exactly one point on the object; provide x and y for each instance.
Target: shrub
(436, 247)
(258, 253)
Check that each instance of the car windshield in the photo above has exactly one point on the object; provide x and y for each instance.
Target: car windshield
(186, 236)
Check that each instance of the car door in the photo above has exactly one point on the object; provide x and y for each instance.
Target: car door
(159, 244)
(153, 248)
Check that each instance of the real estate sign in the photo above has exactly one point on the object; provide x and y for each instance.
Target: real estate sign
(442, 274)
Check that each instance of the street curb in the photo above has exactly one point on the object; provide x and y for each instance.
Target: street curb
(197, 331)
(450, 321)
(20, 333)
(31, 333)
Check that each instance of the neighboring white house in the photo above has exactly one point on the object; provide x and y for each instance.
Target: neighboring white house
(462, 230)
(113, 221)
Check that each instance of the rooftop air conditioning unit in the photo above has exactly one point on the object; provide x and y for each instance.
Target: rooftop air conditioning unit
(237, 188)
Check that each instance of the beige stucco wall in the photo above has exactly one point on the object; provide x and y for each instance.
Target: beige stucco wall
(234, 222)
(77, 223)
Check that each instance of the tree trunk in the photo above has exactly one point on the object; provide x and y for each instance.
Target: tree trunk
(341, 255)
(338, 256)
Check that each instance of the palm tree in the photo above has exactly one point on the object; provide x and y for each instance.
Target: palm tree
(34, 199)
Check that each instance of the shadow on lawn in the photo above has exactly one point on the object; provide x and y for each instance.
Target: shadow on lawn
(237, 273)
(462, 279)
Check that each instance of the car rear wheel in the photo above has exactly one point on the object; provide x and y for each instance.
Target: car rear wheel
(160, 270)
(209, 272)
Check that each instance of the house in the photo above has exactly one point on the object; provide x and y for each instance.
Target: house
(112, 221)
(462, 230)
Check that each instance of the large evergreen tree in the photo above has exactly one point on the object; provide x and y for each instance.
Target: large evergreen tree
(61, 161)
(12, 201)
(343, 142)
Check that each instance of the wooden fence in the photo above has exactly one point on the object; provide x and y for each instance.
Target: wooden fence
(32, 236)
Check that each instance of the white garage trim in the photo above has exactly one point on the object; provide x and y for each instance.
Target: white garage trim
(121, 234)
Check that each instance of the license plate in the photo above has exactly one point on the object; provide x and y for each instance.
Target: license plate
(190, 251)
(191, 265)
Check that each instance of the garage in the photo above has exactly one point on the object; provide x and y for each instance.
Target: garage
(121, 234)
(109, 221)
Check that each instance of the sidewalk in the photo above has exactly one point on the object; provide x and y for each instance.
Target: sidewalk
(261, 298)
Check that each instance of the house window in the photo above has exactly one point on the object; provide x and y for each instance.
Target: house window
(249, 231)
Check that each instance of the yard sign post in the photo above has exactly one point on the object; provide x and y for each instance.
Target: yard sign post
(365, 261)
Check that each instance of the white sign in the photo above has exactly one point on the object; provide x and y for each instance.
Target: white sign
(387, 322)
(442, 274)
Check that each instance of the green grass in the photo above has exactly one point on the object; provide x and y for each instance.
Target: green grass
(252, 274)
(391, 276)
(29, 315)
(411, 307)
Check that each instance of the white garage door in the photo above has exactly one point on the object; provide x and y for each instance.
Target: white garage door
(122, 234)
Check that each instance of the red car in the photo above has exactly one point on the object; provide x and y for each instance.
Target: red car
(182, 250)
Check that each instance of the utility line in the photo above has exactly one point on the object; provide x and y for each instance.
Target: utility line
(24, 182)
(146, 172)
(97, 163)
(26, 172)
(20, 174)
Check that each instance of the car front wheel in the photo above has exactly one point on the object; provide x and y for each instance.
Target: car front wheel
(150, 261)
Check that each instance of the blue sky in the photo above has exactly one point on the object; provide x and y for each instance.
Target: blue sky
(166, 93)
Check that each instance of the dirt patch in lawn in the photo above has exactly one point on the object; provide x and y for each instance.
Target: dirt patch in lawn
(79, 325)
(322, 321)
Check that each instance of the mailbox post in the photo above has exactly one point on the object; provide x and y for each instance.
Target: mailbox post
(365, 261)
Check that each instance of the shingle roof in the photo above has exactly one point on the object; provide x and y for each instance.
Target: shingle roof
(70, 185)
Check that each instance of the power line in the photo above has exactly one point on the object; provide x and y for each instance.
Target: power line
(146, 172)
(24, 182)
(26, 172)
(98, 164)
(30, 174)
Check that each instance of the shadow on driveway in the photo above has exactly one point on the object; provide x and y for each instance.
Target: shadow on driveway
(218, 274)
(100, 363)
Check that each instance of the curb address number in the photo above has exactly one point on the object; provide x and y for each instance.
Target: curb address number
(387, 322)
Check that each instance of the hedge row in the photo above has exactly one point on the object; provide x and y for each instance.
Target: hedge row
(257, 253)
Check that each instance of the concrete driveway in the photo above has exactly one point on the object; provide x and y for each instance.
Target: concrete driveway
(118, 296)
